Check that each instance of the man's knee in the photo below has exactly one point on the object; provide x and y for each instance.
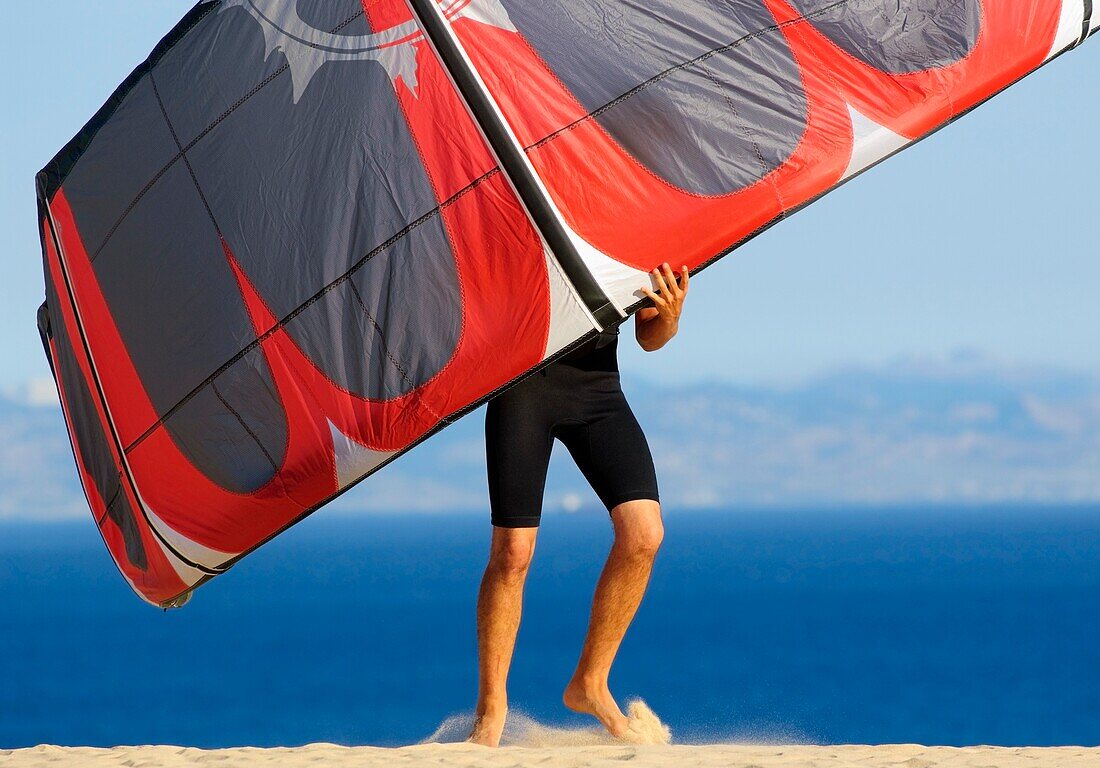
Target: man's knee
(638, 527)
(512, 551)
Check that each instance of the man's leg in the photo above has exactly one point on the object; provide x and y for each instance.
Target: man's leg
(499, 605)
(638, 535)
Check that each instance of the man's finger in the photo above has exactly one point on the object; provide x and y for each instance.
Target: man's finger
(684, 274)
(670, 279)
(659, 281)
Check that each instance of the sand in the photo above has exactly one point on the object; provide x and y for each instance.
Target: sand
(463, 755)
(530, 744)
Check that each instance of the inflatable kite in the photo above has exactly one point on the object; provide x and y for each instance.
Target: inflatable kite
(305, 235)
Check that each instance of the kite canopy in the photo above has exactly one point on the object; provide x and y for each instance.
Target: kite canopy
(306, 234)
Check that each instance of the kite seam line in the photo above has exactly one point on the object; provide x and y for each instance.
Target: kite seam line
(685, 65)
(217, 230)
(184, 150)
(205, 131)
(130, 208)
(381, 334)
(394, 239)
(152, 61)
(108, 505)
(183, 155)
(349, 20)
(386, 349)
(946, 93)
(458, 269)
(766, 172)
(248, 429)
(626, 152)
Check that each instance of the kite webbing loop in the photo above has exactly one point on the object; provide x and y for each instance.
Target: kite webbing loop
(1086, 23)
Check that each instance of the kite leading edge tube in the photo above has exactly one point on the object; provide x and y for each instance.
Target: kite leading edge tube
(564, 245)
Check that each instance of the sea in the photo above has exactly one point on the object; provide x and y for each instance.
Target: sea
(932, 625)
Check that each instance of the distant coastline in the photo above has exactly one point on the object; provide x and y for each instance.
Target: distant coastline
(966, 431)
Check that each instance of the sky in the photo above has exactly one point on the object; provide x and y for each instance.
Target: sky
(981, 238)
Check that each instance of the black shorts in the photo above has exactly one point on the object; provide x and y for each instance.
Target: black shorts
(578, 401)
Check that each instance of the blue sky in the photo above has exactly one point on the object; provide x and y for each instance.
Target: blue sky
(983, 237)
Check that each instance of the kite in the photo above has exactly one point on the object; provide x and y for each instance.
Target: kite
(306, 235)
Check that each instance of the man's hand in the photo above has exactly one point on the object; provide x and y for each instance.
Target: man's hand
(655, 326)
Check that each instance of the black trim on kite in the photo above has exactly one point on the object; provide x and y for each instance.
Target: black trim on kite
(514, 163)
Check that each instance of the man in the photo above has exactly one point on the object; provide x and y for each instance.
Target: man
(577, 400)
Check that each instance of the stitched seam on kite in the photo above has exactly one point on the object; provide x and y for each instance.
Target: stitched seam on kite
(183, 155)
(778, 26)
(217, 229)
(458, 271)
(350, 19)
(626, 152)
(607, 134)
(828, 74)
(203, 133)
(151, 63)
(394, 239)
(767, 174)
(362, 12)
(248, 429)
(107, 506)
(183, 152)
(344, 23)
(385, 346)
(950, 102)
(241, 275)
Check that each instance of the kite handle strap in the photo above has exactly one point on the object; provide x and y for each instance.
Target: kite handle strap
(45, 332)
(1086, 23)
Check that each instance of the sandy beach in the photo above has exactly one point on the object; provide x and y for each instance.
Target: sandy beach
(456, 755)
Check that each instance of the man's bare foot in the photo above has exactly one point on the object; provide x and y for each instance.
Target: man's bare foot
(594, 698)
(488, 727)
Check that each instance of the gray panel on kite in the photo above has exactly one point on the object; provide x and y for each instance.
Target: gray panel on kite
(686, 87)
(899, 37)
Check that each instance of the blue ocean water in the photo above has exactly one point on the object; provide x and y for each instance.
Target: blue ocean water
(937, 626)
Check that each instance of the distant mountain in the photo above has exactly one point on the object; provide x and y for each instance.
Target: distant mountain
(962, 430)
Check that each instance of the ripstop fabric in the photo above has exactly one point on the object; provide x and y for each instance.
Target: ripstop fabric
(283, 253)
